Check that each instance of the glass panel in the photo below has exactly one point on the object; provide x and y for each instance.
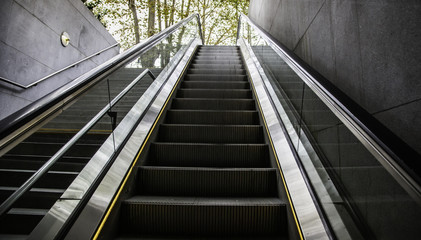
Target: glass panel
(38, 148)
(358, 195)
(286, 84)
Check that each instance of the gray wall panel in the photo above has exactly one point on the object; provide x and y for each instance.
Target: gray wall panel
(371, 50)
(30, 46)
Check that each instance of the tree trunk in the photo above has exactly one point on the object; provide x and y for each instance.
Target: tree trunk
(151, 18)
(132, 7)
(182, 10)
(165, 13)
(188, 9)
(204, 21)
(158, 6)
(172, 12)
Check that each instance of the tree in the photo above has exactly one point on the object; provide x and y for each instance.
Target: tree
(129, 21)
(132, 7)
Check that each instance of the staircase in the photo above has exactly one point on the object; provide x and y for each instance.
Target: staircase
(17, 165)
(208, 172)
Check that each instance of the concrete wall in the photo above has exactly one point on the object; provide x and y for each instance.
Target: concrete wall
(371, 50)
(30, 47)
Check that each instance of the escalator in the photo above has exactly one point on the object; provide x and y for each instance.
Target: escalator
(208, 170)
(216, 142)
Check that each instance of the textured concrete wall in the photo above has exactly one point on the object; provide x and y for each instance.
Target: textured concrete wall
(30, 47)
(371, 50)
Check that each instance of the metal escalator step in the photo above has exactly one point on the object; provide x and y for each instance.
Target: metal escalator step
(223, 49)
(208, 155)
(207, 216)
(238, 61)
(35, 165)
(217, 71)
(205, 182)
(216, 57)
(41, 198)
(214, 77)
(62, 137)
(43, 158)
(212, 117)
(216, 66)
(21, 220)
(53, 179)
(47, 148)
(217, 54)
(214, 93)
(215, 85)
(210, 133)
(213, 104)
(219, 49)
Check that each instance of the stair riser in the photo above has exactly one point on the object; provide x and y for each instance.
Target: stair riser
(215, 85)
(217, 62)
(33, 200)
(210, 134)
(222, 94)
(206, 182)
(35, 165)
(212, 104)
(13, 224)
(226, 118)
(203, 220)
(216, 77)
(44, 149)
(209, 155)
(50, 180)
(218, 71)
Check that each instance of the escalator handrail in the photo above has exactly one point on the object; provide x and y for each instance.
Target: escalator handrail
(354, 117)
(27, 114)
(56, 72)
(7, 204)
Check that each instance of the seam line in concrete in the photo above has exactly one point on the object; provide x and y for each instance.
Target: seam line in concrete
(48, 26)
(308, 27)
(397, 106)
(273, 19)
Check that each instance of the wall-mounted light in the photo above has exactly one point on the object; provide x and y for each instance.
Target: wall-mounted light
(65, 39)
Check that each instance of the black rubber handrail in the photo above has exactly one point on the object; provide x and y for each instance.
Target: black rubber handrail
(22, 117)
(403, 162)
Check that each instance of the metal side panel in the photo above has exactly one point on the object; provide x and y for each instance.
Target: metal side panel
(90, 217)
(306, 215)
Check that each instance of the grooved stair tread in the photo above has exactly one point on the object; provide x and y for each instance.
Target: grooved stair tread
(236, 169)
(215, 82)
(210, 125)
(213, 103)
(215, 90)
(19, 236)
(204, 201)
(211, 144)
(35, 190)
(28, 211)
(162, 237)
(206, 181)
(213, 111)
(214, 75)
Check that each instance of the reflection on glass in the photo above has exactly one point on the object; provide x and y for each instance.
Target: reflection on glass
(38, 148)
(358, 195)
